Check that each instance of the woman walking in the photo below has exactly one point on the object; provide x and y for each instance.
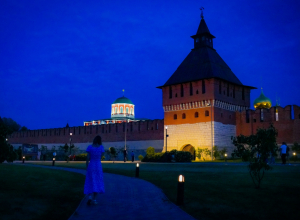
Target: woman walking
(94, 176)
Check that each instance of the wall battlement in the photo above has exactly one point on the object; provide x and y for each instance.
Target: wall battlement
(285, 119)
(136, 131)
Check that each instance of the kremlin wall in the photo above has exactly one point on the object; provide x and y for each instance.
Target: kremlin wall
(204, 105)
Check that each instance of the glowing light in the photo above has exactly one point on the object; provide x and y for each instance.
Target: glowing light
(166, 127)
(181, 178)
(225, 155)
(137, 165)
(294, 154)
(71, 134)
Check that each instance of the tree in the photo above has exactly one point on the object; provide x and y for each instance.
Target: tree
(201, 153)
(256, 149)
(150, 151)
(223, 152)
(112, 153)
(24, 129)
(216, 152)
(296, 147)
(11, 125)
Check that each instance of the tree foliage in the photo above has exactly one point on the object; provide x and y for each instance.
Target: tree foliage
(256, 149)
(202, 152)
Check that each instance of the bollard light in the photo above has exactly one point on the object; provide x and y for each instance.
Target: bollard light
(180, 190)
(294, 156)
(23, 159)
(137, 170)
(225, 157)
(53, 161)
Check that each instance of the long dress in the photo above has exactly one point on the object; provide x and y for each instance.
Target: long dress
(94, 175)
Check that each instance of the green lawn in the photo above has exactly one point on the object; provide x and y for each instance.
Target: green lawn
(38, 193)
(221, 191)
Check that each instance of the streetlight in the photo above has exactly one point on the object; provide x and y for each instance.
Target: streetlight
(209, 104)
(23, 159)
(180, 190)
(294, 156)
(167, 138)
(53, 161)
(70, 143)
(225, 157)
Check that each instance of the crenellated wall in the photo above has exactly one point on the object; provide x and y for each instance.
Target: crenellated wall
(286, 121)
(142, 131)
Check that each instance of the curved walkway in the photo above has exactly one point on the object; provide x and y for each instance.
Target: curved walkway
(126, 198)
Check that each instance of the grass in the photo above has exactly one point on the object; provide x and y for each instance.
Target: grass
(221, 191)
(38, 193)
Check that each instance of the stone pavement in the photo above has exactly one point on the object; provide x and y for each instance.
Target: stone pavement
(126, 198)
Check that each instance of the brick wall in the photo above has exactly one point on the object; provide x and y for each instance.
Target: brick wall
(136, 131)
(288, 124)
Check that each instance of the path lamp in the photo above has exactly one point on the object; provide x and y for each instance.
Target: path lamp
(167, 138)
(23, 159)
(53, 161)
(294, 156)
(137, 170)
(225, 157)
(180, 190)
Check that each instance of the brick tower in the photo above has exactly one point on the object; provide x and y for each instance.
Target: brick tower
(201, 97)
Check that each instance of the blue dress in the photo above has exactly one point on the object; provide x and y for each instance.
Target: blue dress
(94, 175)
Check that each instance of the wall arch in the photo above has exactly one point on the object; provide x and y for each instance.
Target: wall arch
(189, 148)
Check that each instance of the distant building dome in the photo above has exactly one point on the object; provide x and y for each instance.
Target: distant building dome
(123, 100)
(262, 101)
(122, 108)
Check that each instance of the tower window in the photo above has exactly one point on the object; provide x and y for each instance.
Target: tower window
(206, 113)
(196, 114)
(131, 111)
(175, 116)
(229, 116)
(170, 92)
(116, 109)
(221, 115)
(181, 91)
(127, 110)
(191, 89)
(197, 40)
(121, 109)
(220, 87)
(183, 116)
(176, 95)
(203, 86)
(197, 91)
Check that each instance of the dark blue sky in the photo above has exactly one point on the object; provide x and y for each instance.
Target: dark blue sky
(67, 61)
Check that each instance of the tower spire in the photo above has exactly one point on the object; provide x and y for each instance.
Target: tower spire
(201, 9)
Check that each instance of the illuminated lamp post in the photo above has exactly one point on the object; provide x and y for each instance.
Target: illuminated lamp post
(180, 190)
(53, 161)
(225, 157)
(137, 170)
(70, 144)
(167, 138)
(23, 159)
(211, 131)
(294, 156)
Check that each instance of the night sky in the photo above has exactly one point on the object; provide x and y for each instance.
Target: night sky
(67, 61)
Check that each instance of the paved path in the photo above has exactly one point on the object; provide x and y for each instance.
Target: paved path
(126, 198)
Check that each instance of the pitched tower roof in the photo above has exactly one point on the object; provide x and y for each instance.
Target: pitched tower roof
(203, 62)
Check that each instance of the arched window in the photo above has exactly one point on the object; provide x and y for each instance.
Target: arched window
(127, 110)
(206, 113)
(183, 116)
(112, 111)
(116, 109)
(121, 109)
(175, 116)
(131, 111)
(196, 114)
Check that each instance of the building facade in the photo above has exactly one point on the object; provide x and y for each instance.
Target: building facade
(201, 97)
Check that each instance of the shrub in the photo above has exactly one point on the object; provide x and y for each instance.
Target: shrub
(140, 157)
(81, 157)
(170, 156)
(150, 151)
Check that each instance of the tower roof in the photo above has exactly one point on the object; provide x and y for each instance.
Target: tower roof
(203, 29)
(262, 101)
(123, 99)
(203, 62)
